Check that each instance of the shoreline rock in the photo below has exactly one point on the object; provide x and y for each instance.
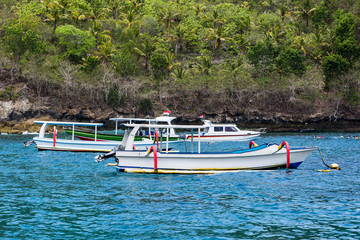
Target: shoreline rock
(272, 125)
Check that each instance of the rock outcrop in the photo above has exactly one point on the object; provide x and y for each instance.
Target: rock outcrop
(17, 115)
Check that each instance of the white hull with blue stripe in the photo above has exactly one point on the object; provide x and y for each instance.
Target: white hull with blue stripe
(267, 156)
(261, 157)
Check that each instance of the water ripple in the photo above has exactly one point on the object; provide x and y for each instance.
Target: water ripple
(62, 195)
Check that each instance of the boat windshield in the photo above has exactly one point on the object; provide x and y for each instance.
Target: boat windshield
(218, 129)
(230, 129)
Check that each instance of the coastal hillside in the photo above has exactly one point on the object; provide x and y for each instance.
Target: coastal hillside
(284, 65)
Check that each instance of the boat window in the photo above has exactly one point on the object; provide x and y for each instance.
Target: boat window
(218, 129)
(230, 129)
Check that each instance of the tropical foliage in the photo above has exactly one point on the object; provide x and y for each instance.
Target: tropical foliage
(177, 52)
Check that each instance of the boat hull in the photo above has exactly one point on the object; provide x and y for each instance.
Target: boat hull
(262, 158)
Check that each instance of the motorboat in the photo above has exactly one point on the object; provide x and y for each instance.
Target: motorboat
(225, 132)
(88, 135)
(154, 160)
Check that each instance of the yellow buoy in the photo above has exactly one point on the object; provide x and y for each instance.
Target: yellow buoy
(335, 166)
(323, 170)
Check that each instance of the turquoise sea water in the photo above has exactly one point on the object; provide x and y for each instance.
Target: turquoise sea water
(64, 195)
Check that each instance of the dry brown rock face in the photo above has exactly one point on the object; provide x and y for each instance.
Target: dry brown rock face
(326, 114)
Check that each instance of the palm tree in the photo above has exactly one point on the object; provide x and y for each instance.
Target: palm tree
(145, 50)
(170, 59)
(205, 64)
(301, 42)
(54, 12)
(168, 15)
(100, 36)
(179, 73)
(106, 51)
(199, 8)
(275, 33)
(305, 11)
(177, 35)
(128, 18)
(114, 8)
(214, 19)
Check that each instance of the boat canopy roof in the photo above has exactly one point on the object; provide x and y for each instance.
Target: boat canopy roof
(133, 125)
(69, 123)
(73, 124)
(132, 119)
(128, 140)
(209, 123)
(164, 119)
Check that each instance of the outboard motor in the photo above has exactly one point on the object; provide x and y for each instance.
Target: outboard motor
(28, 143)
(102, 157)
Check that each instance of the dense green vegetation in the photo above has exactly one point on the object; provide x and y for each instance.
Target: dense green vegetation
(141, 52)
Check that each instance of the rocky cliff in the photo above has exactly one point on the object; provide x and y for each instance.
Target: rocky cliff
(18, 113)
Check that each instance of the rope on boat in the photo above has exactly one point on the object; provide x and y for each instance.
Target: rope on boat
(153, 149)
(284, 143)
(252, 143)
(156, 139)
(287, 152)
(332, 166)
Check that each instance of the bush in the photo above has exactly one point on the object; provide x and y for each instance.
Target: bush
(321, 15)
(124, 65)
(8, 94)
(291, 61)
(89, 63)
(74, 42)
(159, 66)
(349, 49)
(145, 106)
(262, 56)
(333, 66)
(113, 98)
(17, 41)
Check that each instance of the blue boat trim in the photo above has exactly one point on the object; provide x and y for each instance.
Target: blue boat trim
(292, 166)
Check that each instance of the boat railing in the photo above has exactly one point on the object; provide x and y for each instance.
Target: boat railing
(63, 124)
(78, 128)
(132, 129)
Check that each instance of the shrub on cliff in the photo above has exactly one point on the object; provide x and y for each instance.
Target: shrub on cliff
(74, 43)
(333, 66)
(291, 61)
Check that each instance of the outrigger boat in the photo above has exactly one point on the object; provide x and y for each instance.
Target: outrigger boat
(266, 156)
(211, 132)
(86, 135)
(53, 143)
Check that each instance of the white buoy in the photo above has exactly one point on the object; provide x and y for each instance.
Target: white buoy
(335, 166)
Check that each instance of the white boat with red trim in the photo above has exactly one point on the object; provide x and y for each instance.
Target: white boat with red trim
(54, 143)
(266, 156)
